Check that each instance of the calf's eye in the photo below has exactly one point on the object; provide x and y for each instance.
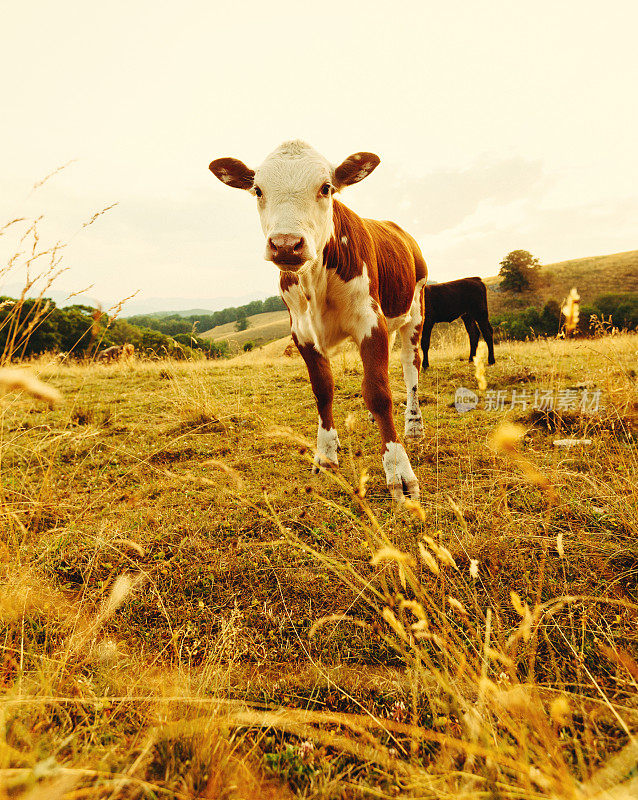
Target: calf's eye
(325, 189)
(258, 191)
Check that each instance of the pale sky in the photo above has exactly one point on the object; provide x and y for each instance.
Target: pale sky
(500, 125)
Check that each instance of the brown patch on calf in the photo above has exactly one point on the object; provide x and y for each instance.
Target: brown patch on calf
(392, 258)
(233, 172)
(355, 168)
(400, 266)
(286, 280)
(348, 260)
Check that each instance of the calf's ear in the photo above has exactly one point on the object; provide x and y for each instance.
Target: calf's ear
(355, 168)
(233, 172)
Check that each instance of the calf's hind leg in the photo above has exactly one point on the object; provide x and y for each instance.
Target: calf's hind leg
(488, 335)
(473, 332)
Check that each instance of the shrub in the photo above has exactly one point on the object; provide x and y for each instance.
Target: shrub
(622, 308)
(618, 310)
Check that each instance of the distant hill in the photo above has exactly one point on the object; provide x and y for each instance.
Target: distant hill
(262, 328)
(142, 304)
(592, 277)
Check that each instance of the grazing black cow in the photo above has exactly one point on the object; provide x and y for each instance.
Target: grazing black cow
(465, 298)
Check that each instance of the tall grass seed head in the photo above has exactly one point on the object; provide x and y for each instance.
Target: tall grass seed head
(479, 366)
(20, 379)
(506, 437)
(570, 310)
(428, 559)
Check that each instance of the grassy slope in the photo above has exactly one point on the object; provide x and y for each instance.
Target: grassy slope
(262, 328)
(171, 472)
(592, 276)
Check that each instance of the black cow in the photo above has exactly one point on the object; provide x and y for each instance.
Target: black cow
(465, 298)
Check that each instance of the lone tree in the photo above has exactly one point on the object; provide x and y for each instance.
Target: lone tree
(519, 271)
(242, 322)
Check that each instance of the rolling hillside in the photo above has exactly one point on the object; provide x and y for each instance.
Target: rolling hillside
(592, 277)
(262, 328)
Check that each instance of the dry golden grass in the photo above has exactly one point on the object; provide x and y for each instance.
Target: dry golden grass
(187, 613)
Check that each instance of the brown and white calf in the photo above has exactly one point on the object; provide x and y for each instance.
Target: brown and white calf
(342, 277)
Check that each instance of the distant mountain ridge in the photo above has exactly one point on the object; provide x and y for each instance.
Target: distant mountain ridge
(187, 306)
(153, 306)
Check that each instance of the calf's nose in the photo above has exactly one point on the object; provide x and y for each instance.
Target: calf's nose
(286, 244)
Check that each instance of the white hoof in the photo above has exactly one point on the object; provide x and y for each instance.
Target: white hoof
(328, 445)
(399, 474)
(413, 425)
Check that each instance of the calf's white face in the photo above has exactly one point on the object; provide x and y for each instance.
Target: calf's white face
(294, 188)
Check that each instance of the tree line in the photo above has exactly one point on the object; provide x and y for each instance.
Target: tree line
(34, 326)
(174, 324)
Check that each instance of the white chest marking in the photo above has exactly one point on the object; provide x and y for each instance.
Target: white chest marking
(326, 310)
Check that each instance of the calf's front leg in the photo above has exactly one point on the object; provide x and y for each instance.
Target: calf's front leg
(322, 384)
(399, 474)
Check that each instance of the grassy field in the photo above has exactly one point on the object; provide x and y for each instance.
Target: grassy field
(187, 613)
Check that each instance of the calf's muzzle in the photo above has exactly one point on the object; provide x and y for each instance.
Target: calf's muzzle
(286, 249)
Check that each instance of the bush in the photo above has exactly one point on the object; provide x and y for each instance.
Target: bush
(622, 308)
(203, 346)
(242, 323)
